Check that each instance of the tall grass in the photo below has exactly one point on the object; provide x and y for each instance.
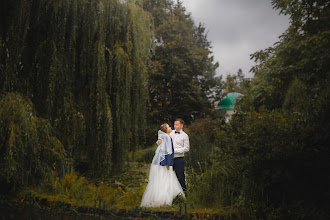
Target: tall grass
(80, 191)
(209, 175)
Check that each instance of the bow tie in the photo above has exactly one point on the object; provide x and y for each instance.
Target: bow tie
(177, 132)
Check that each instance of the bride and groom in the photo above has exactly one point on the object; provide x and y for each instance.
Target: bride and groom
(166, 176)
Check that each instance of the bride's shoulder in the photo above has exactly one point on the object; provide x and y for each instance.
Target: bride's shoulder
(164, 136)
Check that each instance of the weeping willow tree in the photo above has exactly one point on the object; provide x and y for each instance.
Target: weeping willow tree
(83, 66)
(28, 145)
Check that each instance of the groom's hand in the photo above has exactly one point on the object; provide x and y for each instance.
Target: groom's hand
(167, 167)
(160, 141)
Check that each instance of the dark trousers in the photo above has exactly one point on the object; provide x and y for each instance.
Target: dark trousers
(178, 167)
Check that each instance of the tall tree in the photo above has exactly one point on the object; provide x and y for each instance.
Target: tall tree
(231, 83)
(181, 75)
(83, 66)
(280, 141)
(237, 83)
(302, 53)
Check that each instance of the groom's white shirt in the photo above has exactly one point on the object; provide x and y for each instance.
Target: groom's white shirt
(180, 143)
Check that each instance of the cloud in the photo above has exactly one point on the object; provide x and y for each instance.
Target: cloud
(237, 28)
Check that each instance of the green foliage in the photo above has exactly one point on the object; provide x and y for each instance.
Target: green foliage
(83, 64)
(74, 82)
(216, 187)
(275, 148)
(277, 159)
(28, 145)
(203, 140)
(302, 54)
(210, 176)
(263, 160)
(144, 155)
(237, 83)
(182, 78)
(292, 86)
(80, 191)
(68, 187)
(73, 189)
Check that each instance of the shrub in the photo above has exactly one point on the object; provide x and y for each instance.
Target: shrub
(210, 177)
(28, 147)
(277, 162)
(144, 155)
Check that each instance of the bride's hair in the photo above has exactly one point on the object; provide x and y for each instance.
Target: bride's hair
(163, 127)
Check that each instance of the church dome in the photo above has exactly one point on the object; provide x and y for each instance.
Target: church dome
(228, 102)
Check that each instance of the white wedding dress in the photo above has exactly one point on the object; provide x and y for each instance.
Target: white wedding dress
(163, 185)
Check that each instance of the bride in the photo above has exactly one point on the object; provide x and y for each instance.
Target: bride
(163, 185)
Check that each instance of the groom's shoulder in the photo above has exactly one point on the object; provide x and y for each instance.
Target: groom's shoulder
(184, 133)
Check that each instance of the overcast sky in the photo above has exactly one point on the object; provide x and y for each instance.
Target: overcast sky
(236, 29)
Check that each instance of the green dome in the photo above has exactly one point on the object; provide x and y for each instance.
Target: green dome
(228, 102)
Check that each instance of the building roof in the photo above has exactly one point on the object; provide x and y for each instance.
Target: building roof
(228, 102)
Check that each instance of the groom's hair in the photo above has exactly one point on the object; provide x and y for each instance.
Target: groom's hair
(180, 120)
(163, 127)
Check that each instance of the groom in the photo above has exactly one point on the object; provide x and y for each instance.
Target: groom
(181, 146)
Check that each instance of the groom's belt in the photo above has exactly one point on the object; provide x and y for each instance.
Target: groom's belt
(178, 157)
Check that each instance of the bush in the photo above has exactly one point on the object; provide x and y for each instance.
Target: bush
(262, 161)
(277, 163)
(203, 144)
(210, 177)
(144, 155)
(80, 191)
(28, 147)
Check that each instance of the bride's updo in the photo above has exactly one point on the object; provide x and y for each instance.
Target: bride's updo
(163, 127)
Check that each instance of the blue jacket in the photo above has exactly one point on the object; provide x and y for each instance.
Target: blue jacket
(168, 158)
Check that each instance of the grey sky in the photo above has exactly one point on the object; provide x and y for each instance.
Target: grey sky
(236, 29)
